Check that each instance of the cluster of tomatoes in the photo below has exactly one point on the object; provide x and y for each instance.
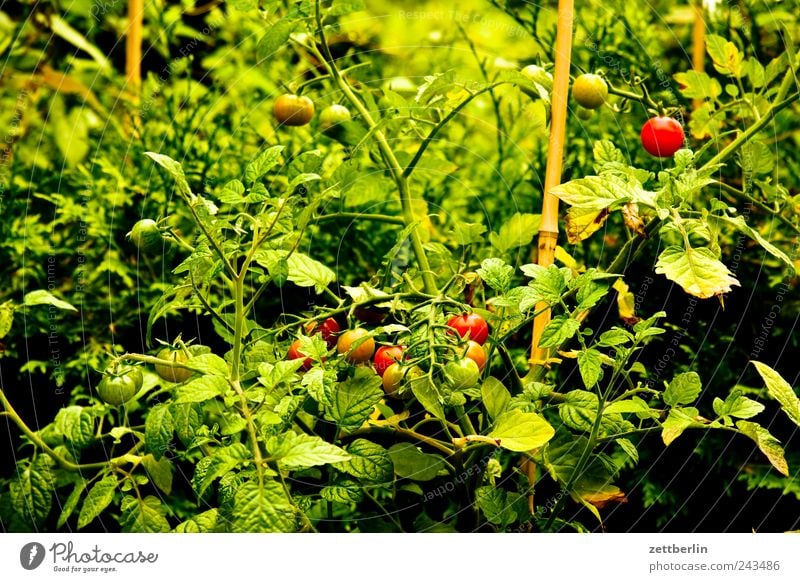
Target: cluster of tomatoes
(358, 347)
(660, 136)
(120, 384)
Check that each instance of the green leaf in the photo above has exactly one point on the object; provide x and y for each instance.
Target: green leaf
(579, 409)
(343, 491)
(697, 270)
(262, 509)
(496, 273)
(354, 399)
(368, 462)
(300, 451)
(495, 505)
(635, 405)
(780, 390)
(428, 395)
(210, 364)
(72, 502)
(737, 405)
(517, 231)
(521, 431)
(740, 224)
(6, 318)
(62, 28)
(496, 397)
(560, 329)
(589, 365)
(159, 471)
(42, 297)
(467, 233)
(201, 389)
(629, 448)
(224, 460)
(205, 522)
(684, 389)
(275, 38)
(678, 420)
(99, 497)
(158, 429)
(76, 423)
(303, 271)
(187, 420)
(696, 85)
(174, 169)
(595, 192)
(143, 515)
(767, 444)
(232, 193)
(411, 463)
(262, 163)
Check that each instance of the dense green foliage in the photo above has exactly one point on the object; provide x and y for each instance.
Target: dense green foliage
(196, 232)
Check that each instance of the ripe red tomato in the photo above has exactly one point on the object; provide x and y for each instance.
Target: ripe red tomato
(293, 110)
(386, 356)
(476, 353)
(327, 329)
(296, 354)
(356, 345)
(662, 136)
(470, 324)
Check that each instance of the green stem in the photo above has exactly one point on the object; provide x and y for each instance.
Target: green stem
(362, 216)
(386, 151)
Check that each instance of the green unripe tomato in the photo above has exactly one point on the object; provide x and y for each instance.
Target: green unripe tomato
(146, 235)
(169, 373)
(462, 374)
(583, 113)
(332, 116)
(590, 90)
(118, 387)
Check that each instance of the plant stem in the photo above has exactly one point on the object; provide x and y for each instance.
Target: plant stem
(389, 157)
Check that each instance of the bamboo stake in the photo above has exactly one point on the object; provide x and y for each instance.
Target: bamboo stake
(133, 45)
(548, 229)
(698, 45)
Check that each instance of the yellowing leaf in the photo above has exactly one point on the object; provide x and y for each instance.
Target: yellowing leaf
(583, 223)
(697, 270)
(626, 302)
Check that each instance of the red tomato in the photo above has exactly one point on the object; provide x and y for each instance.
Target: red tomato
(386, 356)
(470, 324)
(356, 345)
(327, 329)
(296, 354)
(476, 353)
(662, 136)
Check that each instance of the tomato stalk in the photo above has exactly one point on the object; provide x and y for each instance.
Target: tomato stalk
(393, 165)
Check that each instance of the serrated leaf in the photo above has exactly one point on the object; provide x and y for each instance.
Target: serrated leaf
(579, 409)
(143, 515)
(343, 491)
(560, 329)
(411, 463)
(726, 57)
(629, 448)
(426, 392)
(780, 390)
(224, 460)
(232, 193)
(210, 364)
(737, 405)
(6, 318)
(368, 462)
(205, 522)
(354, 399)
(517, 231)
(678, 420)
(595, 192)
(300, 451)
(767, 444)
(467, 233)
(186, 420)
(584, 222)
(684, 389)
(589, 365)
(496, 273)
(158, 429)
(174, 169)
(71, 503)
(697, 85)
(495, 396)
(494, 504)
(697, 270)
(76, 423)
(42, 297)
(303, 271)
(201, 389)
(99, 497)
(739, 223)
(262, 163)
(275, 38)
(521, 431)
